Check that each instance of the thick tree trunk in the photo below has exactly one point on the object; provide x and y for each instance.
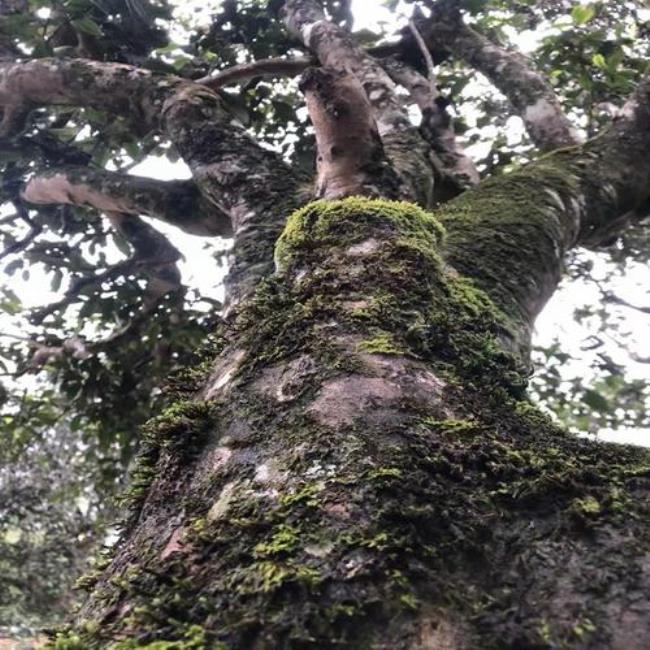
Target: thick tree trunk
(360, 468)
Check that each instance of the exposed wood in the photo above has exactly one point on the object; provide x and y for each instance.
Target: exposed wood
(351, 158)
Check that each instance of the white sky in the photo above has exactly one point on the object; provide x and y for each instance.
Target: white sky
(556, 319)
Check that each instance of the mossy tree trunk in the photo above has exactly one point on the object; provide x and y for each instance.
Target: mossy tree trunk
(360, 467)
(355, 462)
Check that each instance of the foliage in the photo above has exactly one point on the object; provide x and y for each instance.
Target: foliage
(54, 507)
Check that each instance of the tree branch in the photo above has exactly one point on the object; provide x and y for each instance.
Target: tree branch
(260, 68)
(528, 92)
(153, 254)
(511, 233)
(178, 203)
(351, 157)
(35, 230)
(232, 172)
(336, 49)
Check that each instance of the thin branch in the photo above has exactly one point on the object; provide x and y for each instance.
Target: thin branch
(280, 67)
(178, 203)
(426, 54)
(614, 299)
(5, 335)
(274, 67)
(37, 316)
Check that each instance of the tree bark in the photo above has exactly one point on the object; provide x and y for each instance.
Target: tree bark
(356, 465)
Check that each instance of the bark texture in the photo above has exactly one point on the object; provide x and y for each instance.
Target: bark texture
(360, 468)
(233, 174)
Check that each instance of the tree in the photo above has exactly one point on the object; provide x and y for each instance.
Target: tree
(351, 459)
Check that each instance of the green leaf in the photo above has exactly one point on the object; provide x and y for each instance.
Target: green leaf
(180, 62)
(596, 401)
(57, 278)
(12, 267)
(582, 14)
(122, 244)
(599, 61)
(11, 304)
(88, 26)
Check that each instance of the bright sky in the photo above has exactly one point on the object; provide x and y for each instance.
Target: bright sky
(556, 320)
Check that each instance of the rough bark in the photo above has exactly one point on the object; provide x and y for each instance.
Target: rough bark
(360, 468)
(355, 464)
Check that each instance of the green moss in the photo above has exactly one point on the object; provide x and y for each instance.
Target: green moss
(175, 437)
(588, 507)
(514, 228)
(383, 343)
(193, 639)
(284, 540)
(323, 224)
(453, 427)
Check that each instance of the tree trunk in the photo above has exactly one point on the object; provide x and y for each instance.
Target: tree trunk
(360, 468)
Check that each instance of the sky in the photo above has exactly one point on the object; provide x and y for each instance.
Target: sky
(555, 321)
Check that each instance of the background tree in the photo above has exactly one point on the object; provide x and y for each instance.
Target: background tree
(75, 124)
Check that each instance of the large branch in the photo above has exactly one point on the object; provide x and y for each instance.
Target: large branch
(233, 173)
(511, 233)
(335, 48)
(176, 202)
(351, 158)
(530, 94)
